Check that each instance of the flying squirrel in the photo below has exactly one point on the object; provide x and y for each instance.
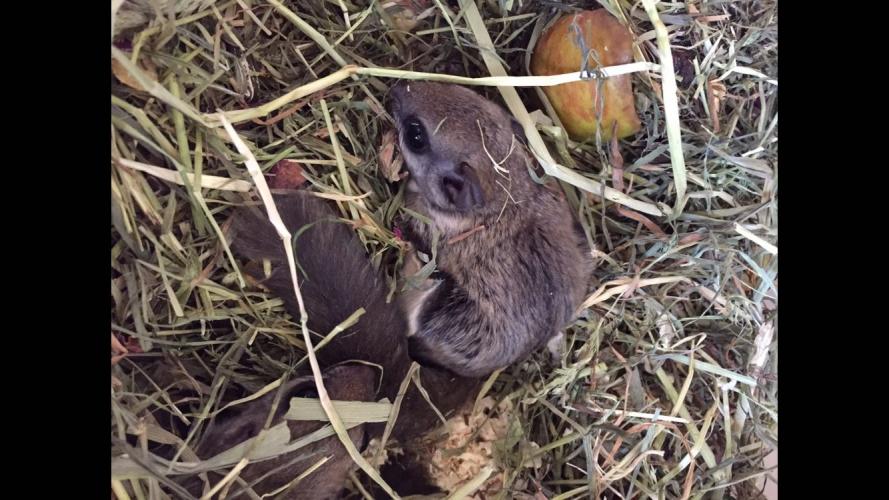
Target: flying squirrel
(512, 262)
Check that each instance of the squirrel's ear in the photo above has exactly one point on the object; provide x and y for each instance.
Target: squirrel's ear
(519, 132)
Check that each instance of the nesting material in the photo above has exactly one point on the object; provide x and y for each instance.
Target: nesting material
(667, 386)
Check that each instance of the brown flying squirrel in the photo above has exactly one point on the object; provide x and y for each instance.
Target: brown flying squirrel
(512, 261)
(336, 278)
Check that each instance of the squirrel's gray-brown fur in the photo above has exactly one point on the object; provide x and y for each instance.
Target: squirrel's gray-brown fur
(511, 285)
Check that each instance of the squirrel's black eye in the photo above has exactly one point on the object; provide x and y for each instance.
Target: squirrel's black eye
(415, 135)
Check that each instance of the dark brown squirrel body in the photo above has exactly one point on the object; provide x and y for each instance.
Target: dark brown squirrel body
(338, 280)
(515, 282)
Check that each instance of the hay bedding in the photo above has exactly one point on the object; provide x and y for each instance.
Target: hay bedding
(668, 388)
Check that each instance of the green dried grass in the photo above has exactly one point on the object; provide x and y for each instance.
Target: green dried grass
(671, 367)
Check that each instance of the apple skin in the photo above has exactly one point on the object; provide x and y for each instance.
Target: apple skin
(558, 52)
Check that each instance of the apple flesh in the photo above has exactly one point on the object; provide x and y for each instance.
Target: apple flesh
(559, 51)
